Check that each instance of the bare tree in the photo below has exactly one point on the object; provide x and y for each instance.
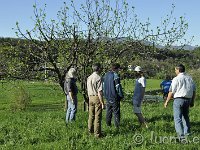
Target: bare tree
(95, 31)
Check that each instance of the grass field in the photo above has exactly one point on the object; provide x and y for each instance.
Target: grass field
(42, 125)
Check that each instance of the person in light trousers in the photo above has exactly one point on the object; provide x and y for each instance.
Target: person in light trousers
(183, 91)
(96, 102)
(71, 91)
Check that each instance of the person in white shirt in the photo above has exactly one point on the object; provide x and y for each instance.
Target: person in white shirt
(183, 91)
(138, 95)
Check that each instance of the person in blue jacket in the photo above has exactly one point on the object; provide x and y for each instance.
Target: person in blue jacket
(165, 85)
(113, 93)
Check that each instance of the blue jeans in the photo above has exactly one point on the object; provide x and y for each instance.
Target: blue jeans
(71, 110)
(181, 116)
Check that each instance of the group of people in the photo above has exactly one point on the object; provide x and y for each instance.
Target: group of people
(181, 89)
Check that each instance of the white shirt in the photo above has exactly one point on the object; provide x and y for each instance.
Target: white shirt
(138, 95)
(182, 86)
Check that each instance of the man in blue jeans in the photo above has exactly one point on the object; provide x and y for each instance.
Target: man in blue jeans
(113, 93)
(183, 91)
(71, 91)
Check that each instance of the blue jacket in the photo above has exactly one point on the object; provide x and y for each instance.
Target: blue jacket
(112, 88)
(165, 84)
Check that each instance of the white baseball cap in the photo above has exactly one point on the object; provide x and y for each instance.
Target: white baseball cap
(138, 68)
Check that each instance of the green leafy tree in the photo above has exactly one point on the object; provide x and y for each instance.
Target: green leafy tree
(94, 31)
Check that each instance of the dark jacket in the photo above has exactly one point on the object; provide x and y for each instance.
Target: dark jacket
(112, 88)
(70, 86)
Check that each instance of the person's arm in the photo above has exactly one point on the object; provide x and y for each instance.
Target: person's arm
(100, 95)
(172, 91)
(71, 96)
(142, 92)
(193, 98)
(65, 87)
(143, 86)
(65, 91)
(170, 95)
(65, 107)
(100, 92)
(118, 86)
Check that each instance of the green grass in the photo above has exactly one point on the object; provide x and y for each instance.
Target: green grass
(42, 125)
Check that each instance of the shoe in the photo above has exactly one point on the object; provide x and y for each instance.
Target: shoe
(99, 135)
(188, 134)
(90, 132)
(184, 140)
(144, 125)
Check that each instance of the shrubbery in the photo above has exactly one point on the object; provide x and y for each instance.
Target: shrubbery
(20, 97)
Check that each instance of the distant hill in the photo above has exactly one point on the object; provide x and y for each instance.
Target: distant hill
(184, 47)
(118, 39)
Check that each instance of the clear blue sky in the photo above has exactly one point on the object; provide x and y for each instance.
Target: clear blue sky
(12, 11)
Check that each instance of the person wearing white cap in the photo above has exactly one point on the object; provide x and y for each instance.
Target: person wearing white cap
(138, 95)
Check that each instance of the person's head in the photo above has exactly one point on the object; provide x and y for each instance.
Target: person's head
(139, 71)
(179, 69)
(96, 67)
(115, 67)
(71, 73)
(168, 77)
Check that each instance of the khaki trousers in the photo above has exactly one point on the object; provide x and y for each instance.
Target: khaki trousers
(95, 115)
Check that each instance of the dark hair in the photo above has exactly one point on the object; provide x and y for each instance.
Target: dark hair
(181, 68)
(168, 77)
(115, 66)
(96, 67)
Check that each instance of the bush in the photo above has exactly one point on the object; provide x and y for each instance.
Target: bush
(20, 98)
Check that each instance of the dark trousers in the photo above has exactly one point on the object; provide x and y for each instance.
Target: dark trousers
(113, 108)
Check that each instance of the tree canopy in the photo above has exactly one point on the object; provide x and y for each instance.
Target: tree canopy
(94, 31)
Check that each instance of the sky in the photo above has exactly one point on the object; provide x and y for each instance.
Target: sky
(12, 11)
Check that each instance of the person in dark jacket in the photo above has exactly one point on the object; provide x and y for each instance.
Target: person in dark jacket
(113, 93)
(165, 85)
(71, 92)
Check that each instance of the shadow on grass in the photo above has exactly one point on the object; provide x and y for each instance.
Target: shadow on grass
(153, 92)
(195, 127)
(128, 126)
(167, 118)
(46, 107)
(128, 97)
